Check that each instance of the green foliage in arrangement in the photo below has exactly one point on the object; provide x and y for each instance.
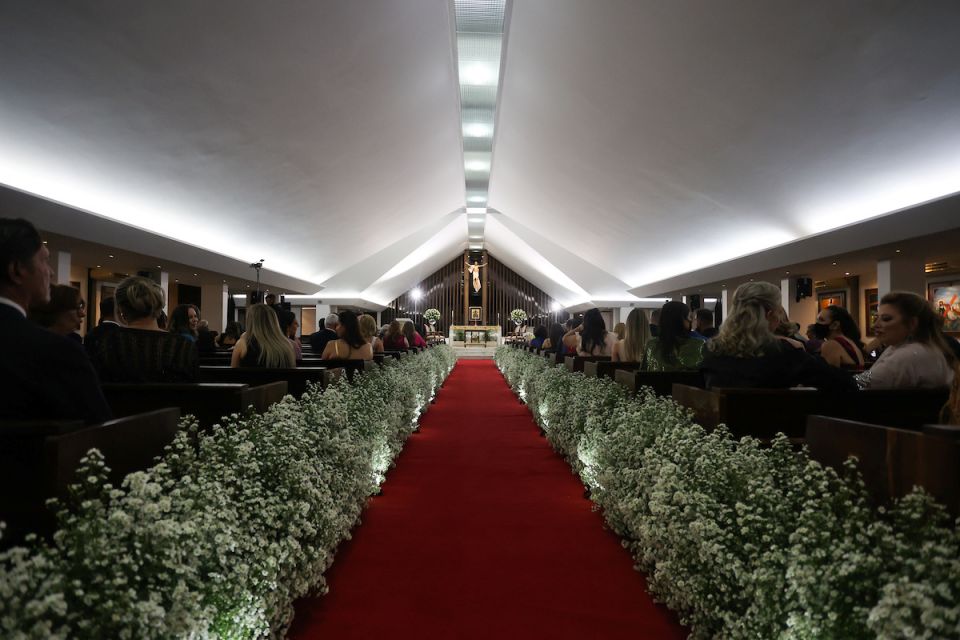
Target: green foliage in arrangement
(431, 315)
(229, 528)
(744, 540)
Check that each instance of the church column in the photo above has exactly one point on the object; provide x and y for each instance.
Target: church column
(788, 292)
(213, 305)
(901, 273)
(60, 263)
(165, 285)
(724, 306)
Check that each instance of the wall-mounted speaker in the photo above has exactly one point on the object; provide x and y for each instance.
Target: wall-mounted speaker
(804, 288)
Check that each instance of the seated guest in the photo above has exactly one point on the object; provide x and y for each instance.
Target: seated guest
(539, 336)
(655, 323)
(289, 326)
(184, 321)
(319, 339)
(633, 347)
(704, 323)
(105, 324)
(570, 325)
(230, 335)
(916, 355)
(414, 339)
(140, 351)
(839, 336)
(63, 313)
(206, 338)
(394, 340)
(43, 375)
(746, 353)
(591, 337)
(674, 349)
(368, 329)
(350, 345)
(263, 345)
(812, 344)
(554, 337)
(620, 330)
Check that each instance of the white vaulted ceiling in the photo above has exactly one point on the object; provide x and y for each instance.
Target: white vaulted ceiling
(634, 141)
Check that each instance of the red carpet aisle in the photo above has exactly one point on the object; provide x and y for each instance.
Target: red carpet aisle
(482, 532)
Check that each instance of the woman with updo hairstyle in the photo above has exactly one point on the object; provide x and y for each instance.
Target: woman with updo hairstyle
(263, 345)
(140, 351)
(916, 355)
(674, 349)
(63, 314)
(747, 353)
(840, 344)
(350, 343)
(368, 329)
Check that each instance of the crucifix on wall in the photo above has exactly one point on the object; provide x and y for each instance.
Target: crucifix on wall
(474, 270)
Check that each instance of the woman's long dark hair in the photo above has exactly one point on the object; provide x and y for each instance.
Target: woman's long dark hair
(555, 336)
(180, 320)
(594, 333)
(848, 327)
(351, 329)
(672, 330)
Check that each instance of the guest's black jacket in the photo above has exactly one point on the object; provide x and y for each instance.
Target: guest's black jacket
(782, 366)
(319, 339)
(44, 375)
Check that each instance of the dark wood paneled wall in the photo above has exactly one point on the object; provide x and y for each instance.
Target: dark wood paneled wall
(505, 291)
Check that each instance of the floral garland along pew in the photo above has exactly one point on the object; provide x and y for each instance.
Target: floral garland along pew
(745, 541)
(229, 528)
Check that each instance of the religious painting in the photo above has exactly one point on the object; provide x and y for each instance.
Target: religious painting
(945, 297)
(831, 298)
(871, 302)
(475, 314)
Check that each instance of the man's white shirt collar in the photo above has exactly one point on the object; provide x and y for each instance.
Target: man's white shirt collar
(11, 303)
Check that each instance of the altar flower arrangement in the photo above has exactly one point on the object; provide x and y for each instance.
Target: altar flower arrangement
(229, 528)
(745, 540)
(519, 316)
(432, 316)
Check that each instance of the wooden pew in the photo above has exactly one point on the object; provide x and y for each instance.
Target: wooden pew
(764, 412)
(660, 381)
(296, 379)
(892, 460)
(209, 402)
(575, 364)
(606, 368)
(38, 460)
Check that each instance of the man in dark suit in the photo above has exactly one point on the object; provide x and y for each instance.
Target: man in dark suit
(105, 326)
(42, 374)
(319, 339)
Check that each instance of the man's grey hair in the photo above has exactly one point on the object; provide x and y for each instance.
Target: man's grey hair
(332, 321)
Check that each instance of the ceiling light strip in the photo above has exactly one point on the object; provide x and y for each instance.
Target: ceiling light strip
(479, 25)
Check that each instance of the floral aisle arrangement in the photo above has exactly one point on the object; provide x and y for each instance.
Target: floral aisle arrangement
(432, 316)
(745, 541)
(229, 528)
(518, 316)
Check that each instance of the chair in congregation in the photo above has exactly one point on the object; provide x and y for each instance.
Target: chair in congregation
(762, 413)
(208, 402)
(39, 459)
(892, 461)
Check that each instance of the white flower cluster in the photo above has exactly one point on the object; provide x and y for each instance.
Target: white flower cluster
(229, 528)
(745, 540)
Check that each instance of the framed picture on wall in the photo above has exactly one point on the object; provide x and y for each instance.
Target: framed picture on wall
(871, 301)
(945, 297)
(474, 314)
(831, 298)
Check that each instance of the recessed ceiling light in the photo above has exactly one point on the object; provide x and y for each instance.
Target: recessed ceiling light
(44, 242)
(196, 274)
(788, 273)
(248, 286)
(159, 267)
(477, 130)
(834, 264)
(477, 165)
(98, 266)
(477, 199)
(110, 255)
(847, 273)
(176, 280)
(477, 210)
(898, 250)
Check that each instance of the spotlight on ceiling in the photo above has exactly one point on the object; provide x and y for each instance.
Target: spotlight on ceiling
(416, 294)
(477, 199)
(477, 165)
(555, 306)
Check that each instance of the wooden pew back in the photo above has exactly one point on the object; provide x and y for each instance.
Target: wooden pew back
(661, 382)
(296, 379)
(607, 368)
(575, 363)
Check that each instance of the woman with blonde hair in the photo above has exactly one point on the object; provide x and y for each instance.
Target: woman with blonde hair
(140, 351)
(636, 335)
(747, 353)
(368, 329)
(620, 329)
(263, 344)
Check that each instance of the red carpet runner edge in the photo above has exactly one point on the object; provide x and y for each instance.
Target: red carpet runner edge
(482, 532)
